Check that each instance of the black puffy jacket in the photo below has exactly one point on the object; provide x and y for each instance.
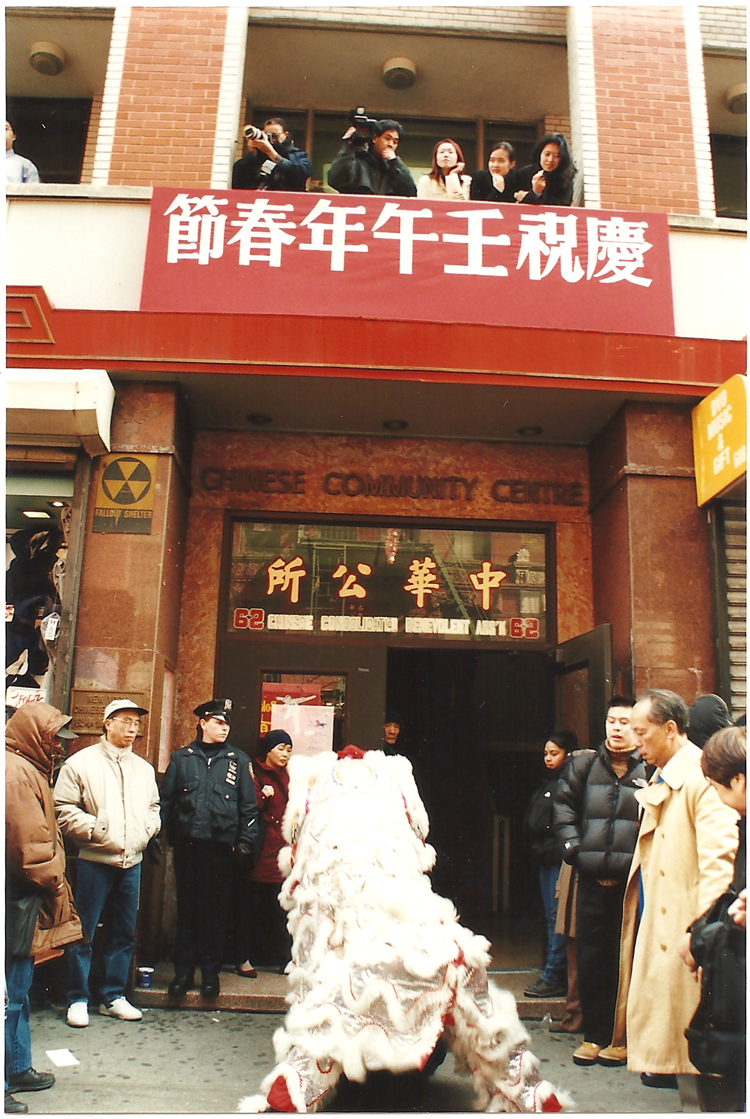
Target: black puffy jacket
(596, 814)
(538, 823)
(215, 799)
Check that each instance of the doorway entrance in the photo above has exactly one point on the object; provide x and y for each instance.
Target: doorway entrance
(474, 724)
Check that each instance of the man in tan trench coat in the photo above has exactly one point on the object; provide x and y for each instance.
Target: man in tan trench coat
(683, 860)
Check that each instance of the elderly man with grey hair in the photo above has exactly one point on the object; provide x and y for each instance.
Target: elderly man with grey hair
(683, 860)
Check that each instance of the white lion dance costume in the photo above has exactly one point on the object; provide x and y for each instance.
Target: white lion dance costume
(380, 967)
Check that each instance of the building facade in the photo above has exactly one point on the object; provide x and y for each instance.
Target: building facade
(361, 489)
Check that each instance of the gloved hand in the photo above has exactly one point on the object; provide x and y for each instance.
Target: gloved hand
(154, 850)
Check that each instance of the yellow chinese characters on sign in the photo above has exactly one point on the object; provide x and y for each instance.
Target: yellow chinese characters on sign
(720, 438)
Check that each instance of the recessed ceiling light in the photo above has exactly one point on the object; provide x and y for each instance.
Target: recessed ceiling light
(259, 419)
(57, 504)
(395, 425)
(36, 515)
(530, 430)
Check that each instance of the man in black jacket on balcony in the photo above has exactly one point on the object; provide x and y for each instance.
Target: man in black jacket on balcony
(272, 161)
(367, 162)
(596, 821)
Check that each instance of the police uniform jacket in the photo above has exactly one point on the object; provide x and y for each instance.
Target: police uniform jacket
(210, 797)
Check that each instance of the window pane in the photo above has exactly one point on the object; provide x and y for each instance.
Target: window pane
(51, 132)
(729, 155)
(386, 584)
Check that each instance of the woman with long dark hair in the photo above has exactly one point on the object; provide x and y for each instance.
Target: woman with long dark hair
(446, 179)
(548, 179)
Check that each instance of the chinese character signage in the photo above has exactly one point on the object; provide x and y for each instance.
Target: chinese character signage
(720, 438)
(392, 583)
(248, 252)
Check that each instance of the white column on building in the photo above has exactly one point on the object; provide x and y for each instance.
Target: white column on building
(111, 97)
(230, 96)
(699, 112)
(582, 98)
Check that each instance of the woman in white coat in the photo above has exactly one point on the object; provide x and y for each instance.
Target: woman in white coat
(446, 179)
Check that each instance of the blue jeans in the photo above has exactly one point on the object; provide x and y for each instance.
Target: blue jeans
(18, 977)
(556, 964)
(97, 884)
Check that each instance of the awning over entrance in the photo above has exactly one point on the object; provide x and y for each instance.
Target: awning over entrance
(60, 408)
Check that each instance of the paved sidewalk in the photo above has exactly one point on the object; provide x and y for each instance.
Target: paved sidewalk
(202, 1062)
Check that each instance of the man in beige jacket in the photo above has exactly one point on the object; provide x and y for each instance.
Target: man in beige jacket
(107, 805)
(683, 860)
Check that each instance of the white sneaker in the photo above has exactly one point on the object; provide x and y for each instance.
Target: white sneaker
(121, 1008)
(78, 1015)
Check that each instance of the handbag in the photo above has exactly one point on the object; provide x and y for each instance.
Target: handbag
(21, 916)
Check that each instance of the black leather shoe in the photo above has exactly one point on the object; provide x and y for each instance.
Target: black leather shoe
(30, 1081)
(180, 986)
(658, 1080)
(14, 1107)
(210, 989)
(545, 989)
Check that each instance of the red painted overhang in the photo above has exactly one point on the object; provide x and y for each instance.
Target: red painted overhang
(40, 336)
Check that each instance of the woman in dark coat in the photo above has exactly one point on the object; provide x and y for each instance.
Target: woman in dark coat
(498, 182)
(539, 830)
(716, 943)
(263, 931)
(548, 179)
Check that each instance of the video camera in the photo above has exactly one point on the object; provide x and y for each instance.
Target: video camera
(364, 125)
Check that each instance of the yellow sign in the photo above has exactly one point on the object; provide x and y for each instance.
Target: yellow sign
(720, 438)
(125, 493)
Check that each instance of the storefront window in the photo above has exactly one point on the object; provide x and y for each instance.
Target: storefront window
(291, 701)
(391, 584)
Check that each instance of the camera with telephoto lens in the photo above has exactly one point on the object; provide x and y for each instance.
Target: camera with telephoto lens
(253, 133)
(364, 125)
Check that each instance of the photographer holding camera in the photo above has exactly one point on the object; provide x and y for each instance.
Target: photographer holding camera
(272, 161)
(367, 163)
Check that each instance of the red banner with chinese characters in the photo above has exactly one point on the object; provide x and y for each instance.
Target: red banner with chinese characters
(244, 252)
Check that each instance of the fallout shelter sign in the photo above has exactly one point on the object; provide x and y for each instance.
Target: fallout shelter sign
(125, 494)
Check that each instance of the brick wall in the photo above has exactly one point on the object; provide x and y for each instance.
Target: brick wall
(645, 125)
(169, 96)
(541, 22)
(91, 138)
(724, 27)
(554, 123)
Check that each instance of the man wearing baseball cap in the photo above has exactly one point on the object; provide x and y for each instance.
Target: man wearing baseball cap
(209, 812)
(107, 805)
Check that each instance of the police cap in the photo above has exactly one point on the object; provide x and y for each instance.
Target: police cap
(215, 709)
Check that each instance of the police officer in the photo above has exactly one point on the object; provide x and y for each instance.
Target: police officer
(208, 811)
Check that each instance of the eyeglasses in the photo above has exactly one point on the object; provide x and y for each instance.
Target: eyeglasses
(127, 722)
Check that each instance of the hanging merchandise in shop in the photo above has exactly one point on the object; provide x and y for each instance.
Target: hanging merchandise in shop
(329, 580)
(364, 257)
